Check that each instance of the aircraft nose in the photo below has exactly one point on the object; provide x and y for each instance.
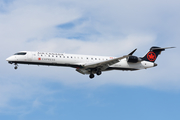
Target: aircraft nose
(8, 59)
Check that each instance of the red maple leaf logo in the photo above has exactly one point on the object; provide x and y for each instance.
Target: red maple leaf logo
(151, 56)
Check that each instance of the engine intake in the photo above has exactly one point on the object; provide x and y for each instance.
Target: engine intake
(133, 59)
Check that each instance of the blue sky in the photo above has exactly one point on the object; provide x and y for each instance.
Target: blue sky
(108, 27)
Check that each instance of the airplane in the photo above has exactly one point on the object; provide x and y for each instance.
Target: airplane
(87, 64)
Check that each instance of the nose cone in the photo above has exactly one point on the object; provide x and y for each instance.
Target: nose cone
(10, 59)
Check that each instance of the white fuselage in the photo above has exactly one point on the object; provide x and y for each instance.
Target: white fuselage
(74, 60)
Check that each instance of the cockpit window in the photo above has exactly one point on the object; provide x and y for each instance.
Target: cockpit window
(20, 53)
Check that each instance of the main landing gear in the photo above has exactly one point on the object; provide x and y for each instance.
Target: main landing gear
(92, 75)
(98, 72)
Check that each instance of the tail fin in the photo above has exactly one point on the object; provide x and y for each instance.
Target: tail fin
(153, 53)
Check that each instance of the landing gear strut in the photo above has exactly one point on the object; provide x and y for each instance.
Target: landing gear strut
(16, 66)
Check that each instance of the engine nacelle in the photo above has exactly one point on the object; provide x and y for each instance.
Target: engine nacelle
(133, 59)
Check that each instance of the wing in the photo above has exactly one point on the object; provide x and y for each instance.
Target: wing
(107, 63)
(86, 69)
(104, 63)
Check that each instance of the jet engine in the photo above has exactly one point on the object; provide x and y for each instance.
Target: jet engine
(133, 59)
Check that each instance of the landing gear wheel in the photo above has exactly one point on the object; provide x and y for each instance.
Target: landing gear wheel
(99, 73)
(91, 76)
(15, 67)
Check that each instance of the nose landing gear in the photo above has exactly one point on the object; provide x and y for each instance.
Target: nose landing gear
(16, 66)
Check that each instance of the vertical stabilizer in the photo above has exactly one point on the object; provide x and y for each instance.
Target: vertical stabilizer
(153, 54)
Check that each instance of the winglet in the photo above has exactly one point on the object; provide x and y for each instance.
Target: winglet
(132, 52)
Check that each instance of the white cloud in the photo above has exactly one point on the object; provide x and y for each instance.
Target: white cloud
(31, 21)
(101, 46)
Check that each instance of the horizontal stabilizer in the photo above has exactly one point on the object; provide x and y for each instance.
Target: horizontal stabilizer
(162, 48)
